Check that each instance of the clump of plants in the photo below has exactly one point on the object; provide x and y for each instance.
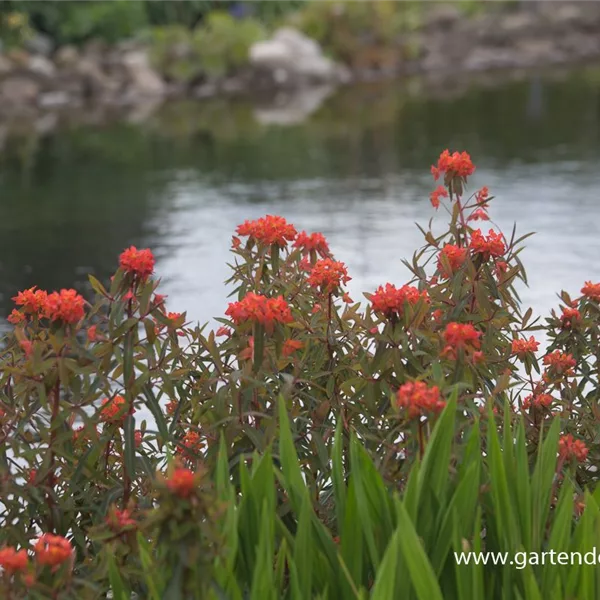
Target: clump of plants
(310, 445)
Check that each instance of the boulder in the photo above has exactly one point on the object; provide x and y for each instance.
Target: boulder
(6, 65)
(39, 44)
(19, 90)
(145, 82)
(66, 56)
(40, 65)
(294, 59)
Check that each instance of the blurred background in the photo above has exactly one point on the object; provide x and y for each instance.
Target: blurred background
(166, 124)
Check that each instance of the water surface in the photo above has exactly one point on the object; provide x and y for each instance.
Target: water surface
(357, 170)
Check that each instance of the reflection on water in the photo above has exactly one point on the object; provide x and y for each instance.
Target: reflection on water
(357, 170)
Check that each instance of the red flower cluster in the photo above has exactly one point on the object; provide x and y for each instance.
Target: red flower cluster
(570, 317)
(66, 306)
(492, 245)
(12, 560)
(538, 400)
(570, 448)
(453, 256)
(591, 290)
(560, 363)
(418, 399)
(457, 164)
(52, 550)
(260, 309)
(439, 192)
(462, 336)
(268, 230)
(390, 300)
(328, 274)
(291, 346)
(191, 443)
(522, 347)
(482, 195)
(112, 409)
(182, 482)
(479, 215)
(137, 262)
(118, 520)
(314, 242)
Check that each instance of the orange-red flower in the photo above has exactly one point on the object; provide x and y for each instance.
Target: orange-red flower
(559, 363)
(570, 317)
(312, 242)
(269, 230)
(27, 347)
(12, 560)
(260, 309)
(439, 192)
(390, 300)
(538, 400)
(182, 482)
(118, 520)
(492, 245)
(138, 436)
(451, 259)
(479, 215)
(172, 407)
(66, 306)
(418, 399)
(16, 317)
(457, 164)
(33, 301)
(223, 332)
(113, 409)
(591, 290)
(137, 262)
(291, 346)
(190, 443)
(522, 347)
(52, 550)
(328, 275)
(461, 336)
(482, 195)
(92, 334)
(570, 448)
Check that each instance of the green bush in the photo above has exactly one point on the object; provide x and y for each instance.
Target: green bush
(310, 446)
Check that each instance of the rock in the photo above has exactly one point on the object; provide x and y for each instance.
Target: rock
(39, 44)
(145, 81)
(19, 90)
(294, 108)
(96, 82)
(6, 65)
(66, 56)
(56, 99)
(41, 66)
(442, 16)
(294, 59)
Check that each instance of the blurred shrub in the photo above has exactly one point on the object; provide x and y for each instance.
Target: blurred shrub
(14, 29)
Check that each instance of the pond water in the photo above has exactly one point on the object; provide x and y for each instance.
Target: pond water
(357, 170)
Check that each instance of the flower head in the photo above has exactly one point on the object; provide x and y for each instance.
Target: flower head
(570, 317)
(479, 215)
(137, 262)
(182, 482)
(451, 259)
(312, 242)
(492, 245)
(439, 192)
(12, 560)
(190, 443)
(522, 347)
(538, 400)
(591, 290)
(269, 230)
(52, 550)
(33, 301)
(569, 448)
(457, 164)
(461, 336)
(481, 197)
(418, 399)
(328, 275)
(117, 520)
(66, 306)
(291, 346)
(559, 363)
(16, 317)
(260, 309)
(390, 301)
(113, 409)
